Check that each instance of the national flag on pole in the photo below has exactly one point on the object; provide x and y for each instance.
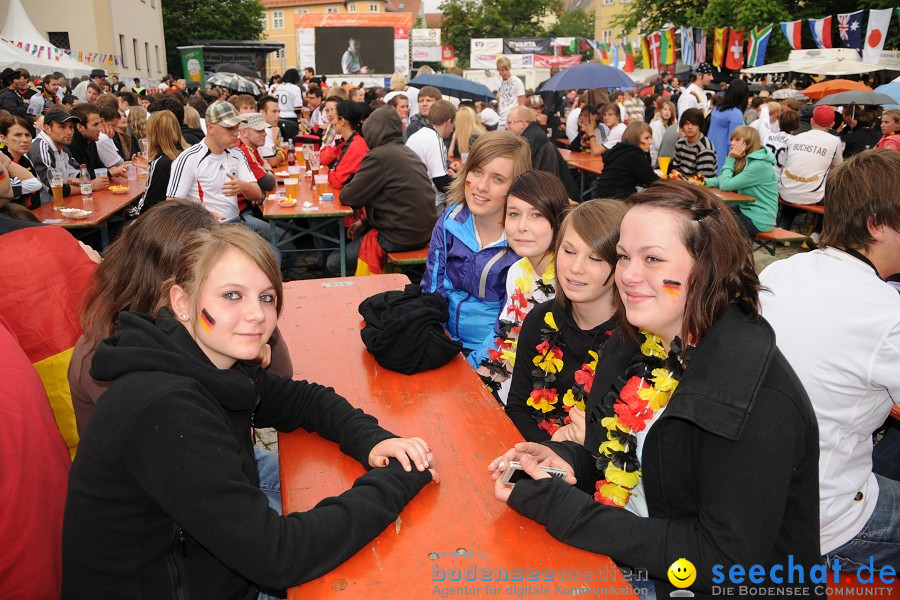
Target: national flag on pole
(645, 53)
(604, 52)
(791, 30)
(821, 31)
(667, 46)
(687, 46)
(614, 49)
(629, 57)
(850, 29)
(654, 49)
(879, 20)
(721, 37)
(759, 41)
(735, 54)
(699, 45)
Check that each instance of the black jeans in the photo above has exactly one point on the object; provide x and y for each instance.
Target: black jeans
(744, 221)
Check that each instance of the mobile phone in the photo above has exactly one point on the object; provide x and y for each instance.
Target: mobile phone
(514, 473)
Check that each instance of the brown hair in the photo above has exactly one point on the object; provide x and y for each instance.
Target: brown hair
(108, 112)
(431, 92)
(441, 112)
(245, 100)
(673, 113)
(597, 223)
(137, 263)
(83, 109)
(205, 248)
(859, 191)
(723, 271)
(546, 193)
(610, 108)
(634, 132)
(8, 120)
(137, 121)
(491, 145)
(789, 121)
(750, 137)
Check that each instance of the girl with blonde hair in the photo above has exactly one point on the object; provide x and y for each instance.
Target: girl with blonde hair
(468, 130)
(166, 143)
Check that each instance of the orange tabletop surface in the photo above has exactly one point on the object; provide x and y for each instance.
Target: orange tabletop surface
(272, 210)
(104, 205)
(450, 532)
(583, 162)
(732, 197)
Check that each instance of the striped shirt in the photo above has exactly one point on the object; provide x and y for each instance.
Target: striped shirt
(44, 155)
(698, 158)
(198, 175)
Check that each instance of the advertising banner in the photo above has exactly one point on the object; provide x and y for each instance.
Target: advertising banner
(492, 46)
(192, 64)
(529, 45)
(426, 37)
(489, 61)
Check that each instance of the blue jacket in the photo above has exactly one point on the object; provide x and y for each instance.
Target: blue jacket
(472, 281)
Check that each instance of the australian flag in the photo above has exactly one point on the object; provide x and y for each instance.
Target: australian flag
(850, 29)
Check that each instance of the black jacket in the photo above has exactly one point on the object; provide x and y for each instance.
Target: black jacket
(84, 152)
(192, 135)
(624, 167)
(163, 495)
(12, 102)
(546, 157)
(730, 469)
(392, 184)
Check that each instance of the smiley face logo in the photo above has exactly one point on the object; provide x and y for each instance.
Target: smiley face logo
(682, 573)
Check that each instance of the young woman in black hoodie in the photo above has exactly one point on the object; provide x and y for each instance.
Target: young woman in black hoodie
(626, 165)
(163, 499)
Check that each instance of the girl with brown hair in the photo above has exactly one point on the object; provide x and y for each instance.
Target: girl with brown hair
(166, 144)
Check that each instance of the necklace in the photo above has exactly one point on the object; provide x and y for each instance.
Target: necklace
(648, 385)
(548, 363)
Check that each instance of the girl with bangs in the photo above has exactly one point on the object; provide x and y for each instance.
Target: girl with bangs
(534, 209)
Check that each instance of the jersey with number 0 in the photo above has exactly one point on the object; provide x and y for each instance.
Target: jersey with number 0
(290, 98)
(777, 144)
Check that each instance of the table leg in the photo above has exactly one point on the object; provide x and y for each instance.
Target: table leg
(104, 236)
(343, 247)
(272, 234)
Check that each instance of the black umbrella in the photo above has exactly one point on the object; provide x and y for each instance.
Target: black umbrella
(234, 68)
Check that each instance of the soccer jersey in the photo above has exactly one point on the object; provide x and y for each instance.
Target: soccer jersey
(198, 175)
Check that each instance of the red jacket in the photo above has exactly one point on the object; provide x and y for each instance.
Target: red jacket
(348, 164)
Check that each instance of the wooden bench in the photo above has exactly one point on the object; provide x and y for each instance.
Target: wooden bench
(768, 240)
(410, 257)
(818, 209)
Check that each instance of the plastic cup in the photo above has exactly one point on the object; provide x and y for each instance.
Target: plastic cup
(321, 184)
(292, 188)
(664, 165)
(464, 156)
(294, 170)
(101, 173)
(132, 173)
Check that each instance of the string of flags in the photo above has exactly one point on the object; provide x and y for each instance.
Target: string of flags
(54, 53)
(735, 49)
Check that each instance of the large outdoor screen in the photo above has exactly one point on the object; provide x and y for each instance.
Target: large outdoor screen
(354, 50)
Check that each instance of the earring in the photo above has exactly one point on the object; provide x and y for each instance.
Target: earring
(182, 316)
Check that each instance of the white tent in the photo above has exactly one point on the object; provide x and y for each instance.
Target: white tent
(18, 28)
(13, 56)
(827, 61)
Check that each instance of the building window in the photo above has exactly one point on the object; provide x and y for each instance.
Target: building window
(134, 46)
(608, 2)
(351, 7)
(147, 58)
(279, 53)
(401, 6)
(158, 62)
(122, 50)
(373, 8)
(301, 11)
(331, 9)
(60, 39)
(278, 19)
(607, 36)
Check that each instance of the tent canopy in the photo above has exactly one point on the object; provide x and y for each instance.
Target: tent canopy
(19, 28)
(827, 61)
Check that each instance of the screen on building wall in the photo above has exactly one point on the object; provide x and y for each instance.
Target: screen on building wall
(354, 50)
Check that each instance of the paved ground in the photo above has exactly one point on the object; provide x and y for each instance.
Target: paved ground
(305, 268)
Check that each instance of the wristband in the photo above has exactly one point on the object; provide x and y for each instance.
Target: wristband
(3, 176)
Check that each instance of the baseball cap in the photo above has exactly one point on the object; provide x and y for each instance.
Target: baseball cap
(704, 69)
(823, 116)
(35, 106)
(59, 115)
(254, 121)
(224, 114)
(489, 118)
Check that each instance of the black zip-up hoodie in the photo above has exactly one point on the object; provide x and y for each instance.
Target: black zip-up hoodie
(163, 499)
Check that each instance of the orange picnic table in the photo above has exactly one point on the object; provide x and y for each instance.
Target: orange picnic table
(104, 205)
(454, 537)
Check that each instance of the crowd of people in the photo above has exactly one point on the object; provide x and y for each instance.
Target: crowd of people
(696, 406)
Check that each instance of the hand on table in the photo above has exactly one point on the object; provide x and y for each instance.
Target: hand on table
(574, 431)
(99, 183)
(404, 450)
(118, 170)
(140, 161)
(531, 456)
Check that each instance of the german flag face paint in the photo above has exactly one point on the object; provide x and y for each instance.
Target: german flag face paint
(206, 321)
(672, 287)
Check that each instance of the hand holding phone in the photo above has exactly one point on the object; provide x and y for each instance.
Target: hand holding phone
(514, 473)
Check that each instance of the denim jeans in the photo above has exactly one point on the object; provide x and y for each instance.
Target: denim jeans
(270, 484)
(879, 539)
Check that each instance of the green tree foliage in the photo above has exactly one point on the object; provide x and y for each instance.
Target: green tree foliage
(467, 19)
(185, 20)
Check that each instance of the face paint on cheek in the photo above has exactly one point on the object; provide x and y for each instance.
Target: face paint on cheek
(206, 321)
(672, 287)
(468, 184)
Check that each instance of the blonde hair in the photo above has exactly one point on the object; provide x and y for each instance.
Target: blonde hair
(398, 82)
(191, 117)
(467, 125)
(503, 62)
(894, 114)
(203, 251)
(750, 137)
(137, 121)
(491, 145)
(164, 135)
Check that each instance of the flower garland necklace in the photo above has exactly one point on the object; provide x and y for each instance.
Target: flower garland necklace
(531, 289)
(626, 412)
(547, 364)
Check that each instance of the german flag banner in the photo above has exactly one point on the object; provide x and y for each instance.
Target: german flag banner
(371, 255)
(44, 273)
